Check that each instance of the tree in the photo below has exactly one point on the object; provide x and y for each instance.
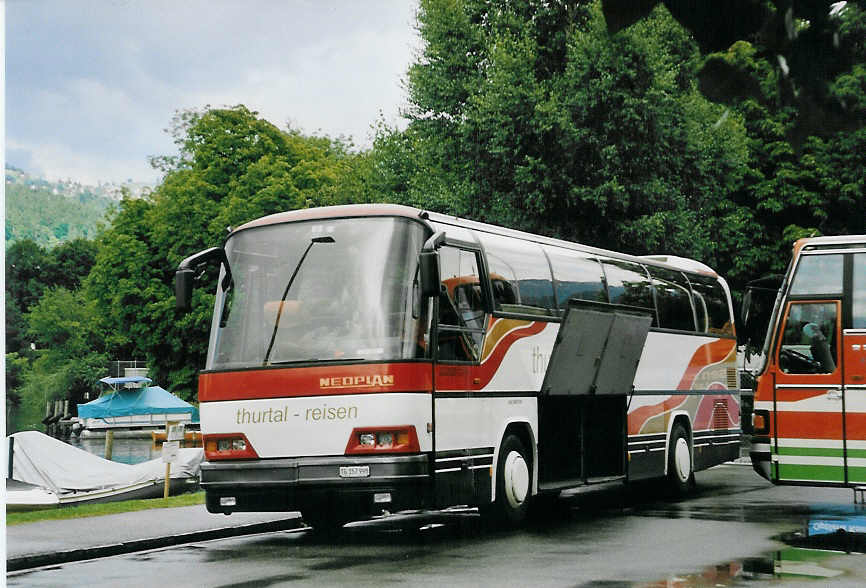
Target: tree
(799, 39)
(233, 167)
(530, 115)
(68, 361)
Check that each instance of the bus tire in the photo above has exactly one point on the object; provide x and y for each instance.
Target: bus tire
(681, 477)
(513, 485)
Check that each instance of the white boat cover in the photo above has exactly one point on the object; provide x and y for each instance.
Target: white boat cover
(44, 461)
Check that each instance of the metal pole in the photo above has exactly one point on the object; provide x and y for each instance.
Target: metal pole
(167, 465)
(11, 455)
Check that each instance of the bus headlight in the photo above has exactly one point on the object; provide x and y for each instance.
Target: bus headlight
(228, 446)
(399, 439)
(760, 422)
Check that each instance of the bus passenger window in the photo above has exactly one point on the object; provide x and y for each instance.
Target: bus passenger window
(519, 274)
(673, 299)
(629, 284)
(711, 305)
(858, 298)
(809, 339)
(576, 276)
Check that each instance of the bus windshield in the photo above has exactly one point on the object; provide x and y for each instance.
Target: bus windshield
(324, 290)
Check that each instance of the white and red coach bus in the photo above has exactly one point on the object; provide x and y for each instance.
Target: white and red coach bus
(378, 357)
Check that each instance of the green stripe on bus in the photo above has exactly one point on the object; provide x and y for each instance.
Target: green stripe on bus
(857, 474)
(804, 554)
(817, 473)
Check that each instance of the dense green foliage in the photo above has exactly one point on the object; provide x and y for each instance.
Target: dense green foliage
(535, 114)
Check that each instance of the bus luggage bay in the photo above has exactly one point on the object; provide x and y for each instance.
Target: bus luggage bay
(809, 419)
(378, 357)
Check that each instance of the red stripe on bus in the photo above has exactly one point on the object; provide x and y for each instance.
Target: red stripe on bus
(472, 377)
(705, 356)
(328, 380)
(639, 416)
(812, 425)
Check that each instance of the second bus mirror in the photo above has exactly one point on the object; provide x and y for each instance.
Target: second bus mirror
(183, 284)
(429, 273)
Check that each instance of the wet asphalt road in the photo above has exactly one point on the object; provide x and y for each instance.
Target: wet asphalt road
(735, 529)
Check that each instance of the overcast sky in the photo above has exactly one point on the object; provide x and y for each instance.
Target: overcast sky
(92, 84)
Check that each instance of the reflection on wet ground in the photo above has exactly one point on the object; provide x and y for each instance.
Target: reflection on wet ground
(735, 530)
(830, 532)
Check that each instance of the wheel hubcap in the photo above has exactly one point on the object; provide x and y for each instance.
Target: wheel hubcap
(682, 460)
(516, 476)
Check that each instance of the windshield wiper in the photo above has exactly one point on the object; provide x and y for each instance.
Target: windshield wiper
(313, 241)
(317, 360)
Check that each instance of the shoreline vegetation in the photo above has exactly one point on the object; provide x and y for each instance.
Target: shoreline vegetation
(104, 508)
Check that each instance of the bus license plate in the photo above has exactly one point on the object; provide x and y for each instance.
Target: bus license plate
(355, 471)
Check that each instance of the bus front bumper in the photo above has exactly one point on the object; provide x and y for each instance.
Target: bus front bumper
(760, 455)
(365, 484)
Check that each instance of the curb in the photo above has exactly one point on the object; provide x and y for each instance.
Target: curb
(26, 562)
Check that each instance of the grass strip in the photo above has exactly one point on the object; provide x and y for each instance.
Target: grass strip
(103, 508)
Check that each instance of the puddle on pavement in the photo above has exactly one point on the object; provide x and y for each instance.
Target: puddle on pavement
(810, 554)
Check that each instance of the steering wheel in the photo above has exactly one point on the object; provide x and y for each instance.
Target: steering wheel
(795, 356)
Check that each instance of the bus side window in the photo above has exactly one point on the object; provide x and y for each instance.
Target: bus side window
(818, 274)
(673, 299)
(710, 296)
(859, 292)
(629, 284)
(576, 276)
(519, 274)
(809, 339)
(461, 305)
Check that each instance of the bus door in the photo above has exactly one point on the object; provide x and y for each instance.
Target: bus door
(854, 358)
(582, 421)
(809, 443)
(462, 461)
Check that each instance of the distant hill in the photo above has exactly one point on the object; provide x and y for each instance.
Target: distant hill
(53, 212)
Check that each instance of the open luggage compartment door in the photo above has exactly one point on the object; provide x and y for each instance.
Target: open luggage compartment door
(591, 372)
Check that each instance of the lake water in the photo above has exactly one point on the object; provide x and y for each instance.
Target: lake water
(128, 451)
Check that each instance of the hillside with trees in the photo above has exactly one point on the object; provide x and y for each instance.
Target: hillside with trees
(52, 212)
(546, 116)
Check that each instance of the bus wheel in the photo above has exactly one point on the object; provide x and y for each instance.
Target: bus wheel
(681, 478)
(513, 484)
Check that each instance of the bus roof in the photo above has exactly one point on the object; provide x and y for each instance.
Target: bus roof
(398, 210)
(343, 211)
(830, 242)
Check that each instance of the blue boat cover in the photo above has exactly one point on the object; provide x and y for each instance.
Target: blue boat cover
(126, 380)
(133, 401)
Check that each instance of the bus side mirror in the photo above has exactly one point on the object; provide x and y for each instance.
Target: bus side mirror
(428, 265)
(185, 274)
(745, 308)
(183, 284)
(429, 273)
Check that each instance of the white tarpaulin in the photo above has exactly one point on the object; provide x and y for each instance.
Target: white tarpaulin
(44, 461)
